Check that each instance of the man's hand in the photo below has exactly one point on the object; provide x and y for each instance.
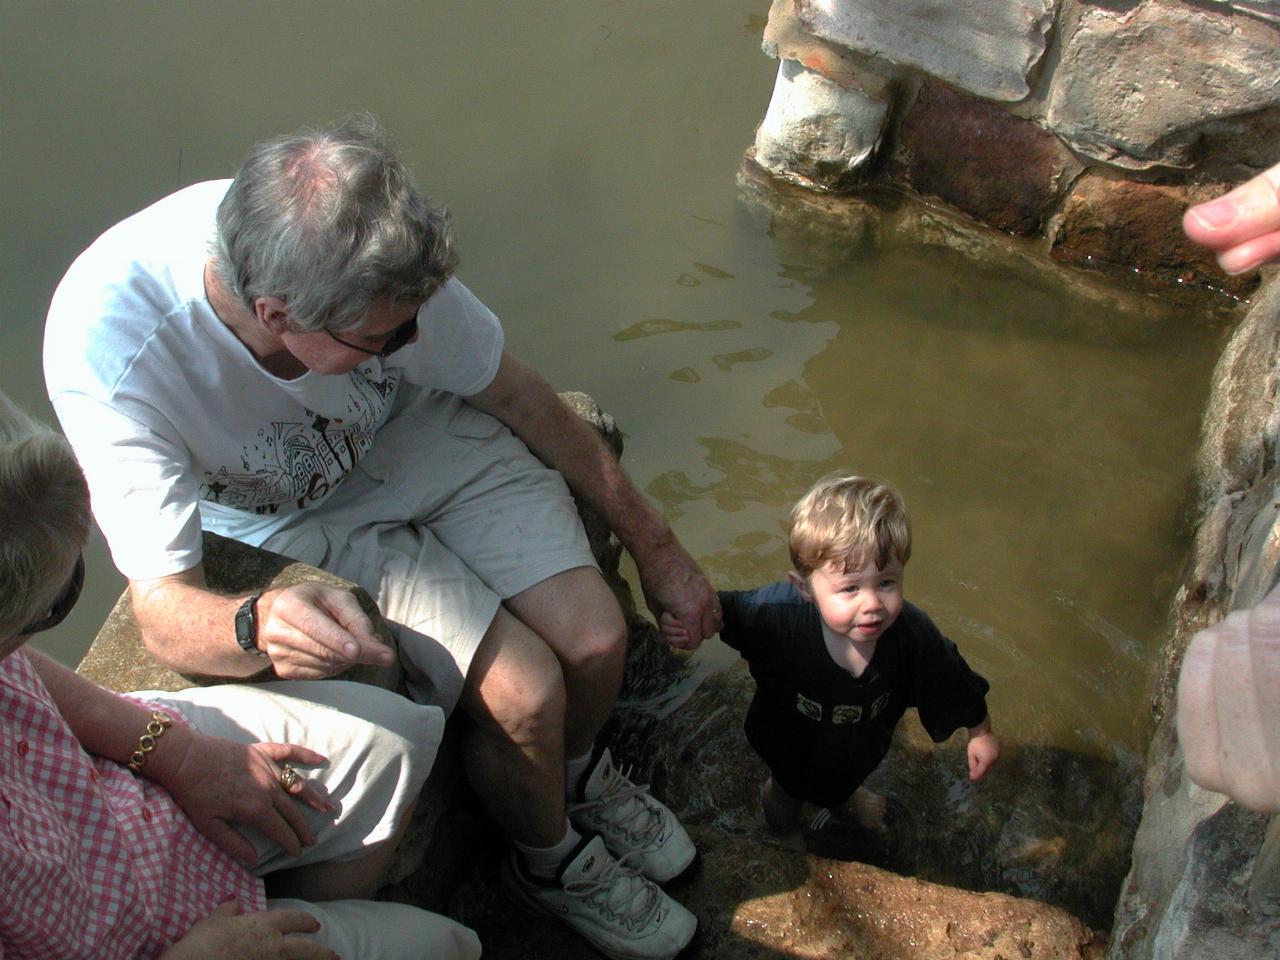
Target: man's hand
(1242, 226)
(250, 936)
(220, 783)
(314, 630)
(678, 595)
(984, 750)
(1229, 706)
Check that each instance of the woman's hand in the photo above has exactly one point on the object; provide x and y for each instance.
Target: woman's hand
(228, 933)
(219, 783)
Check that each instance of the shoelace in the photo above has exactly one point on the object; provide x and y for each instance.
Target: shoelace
(618, 890)
(622, 805)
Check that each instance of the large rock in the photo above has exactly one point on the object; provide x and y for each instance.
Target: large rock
(1167, 83)
(1203, 877)
(999, 169)
(987, 47)
(787, 38)
(816, 131)
(1242, 420)
(1127, 226)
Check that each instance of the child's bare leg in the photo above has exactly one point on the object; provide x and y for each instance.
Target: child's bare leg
(781, 810)
(866, 809)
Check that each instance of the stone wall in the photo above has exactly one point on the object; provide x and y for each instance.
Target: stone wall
(1089, 125)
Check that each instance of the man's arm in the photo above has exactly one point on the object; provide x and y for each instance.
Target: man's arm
(671, 580)
(306, 632)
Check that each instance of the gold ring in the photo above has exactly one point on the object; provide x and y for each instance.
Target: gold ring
(288, 777)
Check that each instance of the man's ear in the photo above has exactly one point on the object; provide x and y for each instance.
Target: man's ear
(801, 584)
(273, 313)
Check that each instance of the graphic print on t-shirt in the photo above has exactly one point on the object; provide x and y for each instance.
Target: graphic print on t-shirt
(294, 464)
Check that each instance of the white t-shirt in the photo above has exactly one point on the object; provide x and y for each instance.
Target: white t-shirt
(174, 420)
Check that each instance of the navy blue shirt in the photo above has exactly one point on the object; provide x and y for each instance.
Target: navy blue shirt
(821, 730)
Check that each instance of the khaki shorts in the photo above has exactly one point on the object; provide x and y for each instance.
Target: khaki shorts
(446, 516)
(380, 748)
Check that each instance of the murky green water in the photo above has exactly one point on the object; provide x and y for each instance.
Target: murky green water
(587, 152)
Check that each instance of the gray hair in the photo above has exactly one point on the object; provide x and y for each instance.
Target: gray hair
(44, 517)
(331, 222)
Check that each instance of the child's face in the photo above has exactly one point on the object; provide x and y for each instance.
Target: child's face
(858, 604)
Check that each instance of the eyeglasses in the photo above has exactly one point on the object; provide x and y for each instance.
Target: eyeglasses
(62, 606)
(396, 339)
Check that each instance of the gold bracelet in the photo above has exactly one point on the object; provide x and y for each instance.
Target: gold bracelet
(147, 742)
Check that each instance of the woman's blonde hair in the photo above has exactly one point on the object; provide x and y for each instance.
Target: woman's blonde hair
(849, 521)
(44, 517)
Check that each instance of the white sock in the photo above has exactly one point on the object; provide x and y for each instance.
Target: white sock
(545, 862)
(573, 771)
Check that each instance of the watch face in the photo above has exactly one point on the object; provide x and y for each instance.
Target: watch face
(247, 625)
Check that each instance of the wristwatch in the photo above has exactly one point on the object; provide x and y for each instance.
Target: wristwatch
(247, 626)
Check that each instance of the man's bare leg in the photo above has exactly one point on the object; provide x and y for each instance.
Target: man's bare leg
(577, 616)
(514, 753)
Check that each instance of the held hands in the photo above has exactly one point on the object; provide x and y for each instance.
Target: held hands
(314, 630)
(678, 595)
(1242, 226)
(227, 932)
(219, 783)
(984, 750)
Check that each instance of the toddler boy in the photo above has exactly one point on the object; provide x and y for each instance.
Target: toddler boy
(838, 656)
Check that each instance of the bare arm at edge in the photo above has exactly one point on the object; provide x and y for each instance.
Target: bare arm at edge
(308, 631)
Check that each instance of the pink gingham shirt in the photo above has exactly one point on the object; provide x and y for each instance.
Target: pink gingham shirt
(95, 863)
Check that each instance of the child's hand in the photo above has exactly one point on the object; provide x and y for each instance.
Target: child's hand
(984, 750)
(674, 632)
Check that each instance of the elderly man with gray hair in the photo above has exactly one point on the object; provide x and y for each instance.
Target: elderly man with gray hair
(288, 359)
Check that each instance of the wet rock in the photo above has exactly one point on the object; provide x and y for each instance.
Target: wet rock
(1162, 83)
(1242, 418)
(988, 47)
(1123, 225)
(982, 160)
(817, 131)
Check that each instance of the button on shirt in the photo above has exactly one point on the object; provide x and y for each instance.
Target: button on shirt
(94, 862)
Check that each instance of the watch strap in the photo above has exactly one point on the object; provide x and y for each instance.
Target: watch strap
(247, 625)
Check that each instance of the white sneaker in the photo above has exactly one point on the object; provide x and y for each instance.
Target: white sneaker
(631, 821)
(622, 914)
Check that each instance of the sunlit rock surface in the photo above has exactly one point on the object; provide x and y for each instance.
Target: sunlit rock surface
(1166, 83)
(816, 130)
(988, 47)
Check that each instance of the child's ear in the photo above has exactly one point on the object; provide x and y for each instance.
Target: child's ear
(801, 584)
